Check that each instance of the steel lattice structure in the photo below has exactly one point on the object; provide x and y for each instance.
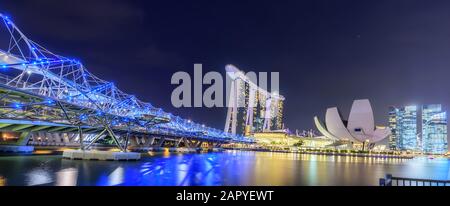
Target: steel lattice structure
(40, 85)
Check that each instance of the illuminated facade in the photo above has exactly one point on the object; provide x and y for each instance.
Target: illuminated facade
(403, 125)
(393, 119)
(405, 134)
(251, 109)
(268, 138)
(283, 139)
(434, 129)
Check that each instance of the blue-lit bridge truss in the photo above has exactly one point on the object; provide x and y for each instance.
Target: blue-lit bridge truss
(38, 85)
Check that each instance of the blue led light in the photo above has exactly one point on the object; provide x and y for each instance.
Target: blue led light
(83, 117)
(17, 105)
(49, 101)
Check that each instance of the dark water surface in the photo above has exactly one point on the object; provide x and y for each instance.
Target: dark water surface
(228, 168)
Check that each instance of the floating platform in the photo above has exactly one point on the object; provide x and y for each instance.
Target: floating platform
(16, 149)
(218, 150)
(163, 149)
(184, 150)
(101, 155)
(148, 149)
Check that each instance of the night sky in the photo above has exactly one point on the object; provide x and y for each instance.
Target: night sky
(328, 53)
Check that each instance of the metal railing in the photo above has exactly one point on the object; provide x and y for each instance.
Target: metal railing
(389, 180)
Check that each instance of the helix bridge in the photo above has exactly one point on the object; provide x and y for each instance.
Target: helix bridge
(42, 92)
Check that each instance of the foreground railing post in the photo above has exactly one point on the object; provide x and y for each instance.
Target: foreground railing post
(382, 182)
(388, 180)
(80, 132)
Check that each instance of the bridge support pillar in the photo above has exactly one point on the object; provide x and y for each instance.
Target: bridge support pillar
(161, 142)
(152, 141)
(80, 133)
(72, 137)
(135, 141)
(177, 144)
(24, 138)
(198, 144)
(96, 138)
(212, 145)
(35, 138)
(111, 133)
(56, 138)
(66, 138)
(149, 141)
(187, 143)
(127, 141)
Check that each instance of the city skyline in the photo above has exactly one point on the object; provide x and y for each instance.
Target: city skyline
(419, 128)
(224, 93)
(434, 129)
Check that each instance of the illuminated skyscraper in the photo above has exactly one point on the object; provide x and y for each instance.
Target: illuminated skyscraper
(393, 125)
(252, 107)
(404, 133)
(406, 128)
(434, 129)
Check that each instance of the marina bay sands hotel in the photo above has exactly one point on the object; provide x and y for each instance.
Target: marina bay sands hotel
(252, 109)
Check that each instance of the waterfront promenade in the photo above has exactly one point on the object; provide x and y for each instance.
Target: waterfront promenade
(352, 153)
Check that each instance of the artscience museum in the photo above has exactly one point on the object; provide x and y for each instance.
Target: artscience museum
(359, 128)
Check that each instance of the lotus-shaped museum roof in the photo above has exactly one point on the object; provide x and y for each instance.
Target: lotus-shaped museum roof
(360, 126)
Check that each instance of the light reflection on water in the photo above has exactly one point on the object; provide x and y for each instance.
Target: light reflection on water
(67, 177)
(2, 181)
(38, 176)
(228, 168)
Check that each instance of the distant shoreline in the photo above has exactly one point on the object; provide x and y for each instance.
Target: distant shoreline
(329, 153)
